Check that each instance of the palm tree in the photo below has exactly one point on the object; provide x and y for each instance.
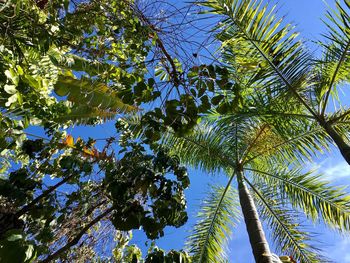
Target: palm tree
(252, 153)
(266, 59)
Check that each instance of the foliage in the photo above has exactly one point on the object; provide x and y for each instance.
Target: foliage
(137, 179)
(131, 253)
(66, 63)
(59, 67)
(134, 195)
(14, 248)
(158, 255)
(217, 144)
(264, 54)
(217, 216)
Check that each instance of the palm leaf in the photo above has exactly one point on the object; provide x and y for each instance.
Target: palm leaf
(287, 233)
(300, 139)
(204, 148)
(281, 61)
(286, 138)
(80, 64)
(85, 115)
(215, 144)
(218, 215)
(334, 67)
(310, 193)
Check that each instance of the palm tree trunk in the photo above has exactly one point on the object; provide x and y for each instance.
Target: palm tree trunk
(258, 242)
(343, 147)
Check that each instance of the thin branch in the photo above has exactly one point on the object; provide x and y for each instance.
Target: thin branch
(174, 73)
(26, 208)
(76, 239)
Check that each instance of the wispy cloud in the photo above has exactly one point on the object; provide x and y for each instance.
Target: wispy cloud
(337, 171)
(333, 169)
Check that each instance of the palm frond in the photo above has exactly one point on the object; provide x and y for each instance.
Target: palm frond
(134, 124)
(288, 234)
(307, 191)
(245, 136)
(218, 215)
(300, 139)
(284, 138)
(205, 148)
(282, 64)
(342, 115)
(334, 67)
(79, 64)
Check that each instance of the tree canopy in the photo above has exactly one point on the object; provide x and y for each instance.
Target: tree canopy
(256, 111)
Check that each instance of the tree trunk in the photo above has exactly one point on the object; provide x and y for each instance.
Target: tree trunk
(255, 231)
(343, 147)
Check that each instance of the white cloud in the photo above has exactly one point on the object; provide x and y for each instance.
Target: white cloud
(333, 169)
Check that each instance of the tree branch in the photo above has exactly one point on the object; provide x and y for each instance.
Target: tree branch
(174, 73)
(27, 207)
(76, 239)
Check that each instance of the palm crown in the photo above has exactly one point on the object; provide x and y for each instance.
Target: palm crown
(280, 191)
(271, 66)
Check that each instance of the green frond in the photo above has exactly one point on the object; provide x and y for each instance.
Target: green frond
(134, 123)
(80, 64)
(310, 193)
(342, 128)
(340, 121)
(204, 148)
(289, 236)
(96, 95)
(279, 59)
(334, 66)
(218, 215)
(244, 136)
(300, 139)
(340, 116)
(287, 138)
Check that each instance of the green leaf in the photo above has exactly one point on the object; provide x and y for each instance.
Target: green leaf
(88, 92)
(10, 89)
(309, 192)
(289, 235)
(11, 74)
(16, 249)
